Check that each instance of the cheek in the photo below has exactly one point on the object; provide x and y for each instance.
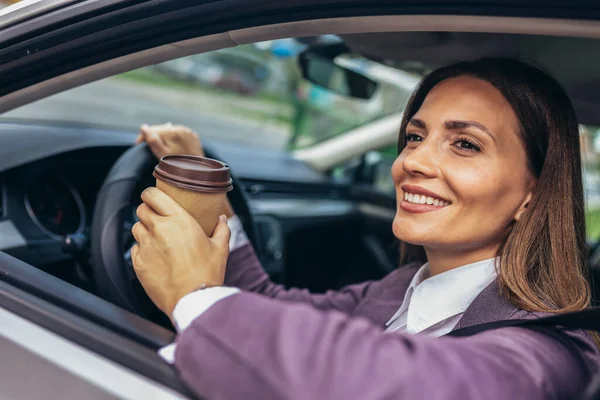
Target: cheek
(397, 170)
(488, 194)
(471, 185)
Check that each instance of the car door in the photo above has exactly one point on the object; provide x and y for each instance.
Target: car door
(48, 52)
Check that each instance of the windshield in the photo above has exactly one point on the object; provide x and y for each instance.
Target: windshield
(252, 94)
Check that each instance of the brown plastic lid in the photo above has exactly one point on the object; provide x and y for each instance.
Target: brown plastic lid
(195, 173)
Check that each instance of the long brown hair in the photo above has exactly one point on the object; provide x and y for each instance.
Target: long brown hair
(543, 258)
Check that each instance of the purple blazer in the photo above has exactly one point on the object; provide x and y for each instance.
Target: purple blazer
(273, 343)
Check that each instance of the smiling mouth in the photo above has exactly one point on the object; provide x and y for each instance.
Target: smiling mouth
(414, 198)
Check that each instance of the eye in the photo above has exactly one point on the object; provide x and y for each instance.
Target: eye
(412, 137)
(466, 145)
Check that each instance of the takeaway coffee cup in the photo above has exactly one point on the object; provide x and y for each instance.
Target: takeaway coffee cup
(198, 184)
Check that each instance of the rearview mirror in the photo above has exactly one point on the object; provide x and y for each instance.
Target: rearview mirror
(323, 71)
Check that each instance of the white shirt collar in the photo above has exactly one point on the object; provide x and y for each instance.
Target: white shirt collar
(430, 300)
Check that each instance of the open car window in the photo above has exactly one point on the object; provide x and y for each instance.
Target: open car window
(252, 94)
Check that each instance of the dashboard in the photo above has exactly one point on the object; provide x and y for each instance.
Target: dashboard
(54, 197)
(47, 199)
(50, 177)
(55, 206)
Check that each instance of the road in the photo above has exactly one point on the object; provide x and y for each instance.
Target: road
(121, 103)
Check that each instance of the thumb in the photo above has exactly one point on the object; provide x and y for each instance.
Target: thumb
(222, 233)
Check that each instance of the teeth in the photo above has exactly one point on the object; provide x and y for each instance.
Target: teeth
(420, 199)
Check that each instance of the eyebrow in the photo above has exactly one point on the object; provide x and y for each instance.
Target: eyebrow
(454, 125)
(418, 123)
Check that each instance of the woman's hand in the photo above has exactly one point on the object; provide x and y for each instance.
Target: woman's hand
(170, 139)
(174, 139)
(173, 256)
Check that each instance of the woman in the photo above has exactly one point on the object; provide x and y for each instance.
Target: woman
(491, 219)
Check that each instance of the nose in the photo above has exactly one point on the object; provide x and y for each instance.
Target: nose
(420, 161)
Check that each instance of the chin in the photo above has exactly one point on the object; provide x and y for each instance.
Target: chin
(411, 232)
(403, 230)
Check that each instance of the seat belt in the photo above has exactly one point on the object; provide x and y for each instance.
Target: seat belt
(588, 320)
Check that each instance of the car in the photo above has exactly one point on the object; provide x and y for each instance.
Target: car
(230, 69)
(310, 158)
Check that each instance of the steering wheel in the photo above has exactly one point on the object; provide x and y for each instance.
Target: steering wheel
(111, 236)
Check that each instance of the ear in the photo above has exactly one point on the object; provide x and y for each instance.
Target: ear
(523, 206)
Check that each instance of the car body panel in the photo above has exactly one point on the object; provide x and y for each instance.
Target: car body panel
(62, 369)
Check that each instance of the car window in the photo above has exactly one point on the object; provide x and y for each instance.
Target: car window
(590, 145)
(253, 94)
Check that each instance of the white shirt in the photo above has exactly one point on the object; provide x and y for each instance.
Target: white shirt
(434, 305)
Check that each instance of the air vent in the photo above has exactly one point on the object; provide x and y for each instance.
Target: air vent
(254, 188)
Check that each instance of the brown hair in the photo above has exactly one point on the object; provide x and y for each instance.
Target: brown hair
(543, 258)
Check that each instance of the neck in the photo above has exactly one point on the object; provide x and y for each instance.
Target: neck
(444, 260)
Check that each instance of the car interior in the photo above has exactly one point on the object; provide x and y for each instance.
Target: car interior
(69, 189)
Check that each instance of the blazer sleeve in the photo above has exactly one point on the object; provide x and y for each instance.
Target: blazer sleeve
(251, 347)
(245, 272)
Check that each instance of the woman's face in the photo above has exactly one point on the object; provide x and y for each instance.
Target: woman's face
(465, 161)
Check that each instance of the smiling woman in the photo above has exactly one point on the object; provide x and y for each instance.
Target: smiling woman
(490, 214)
(449, 150)
(521, 159)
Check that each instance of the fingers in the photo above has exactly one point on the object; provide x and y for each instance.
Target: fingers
(222, 233)
(182, 133)
(151, 134)
(139, 266)
(139, 139)
(171, 139)
(160, 202)
(140, 233)
(147, 216)
(155, 142)
(135, 251)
